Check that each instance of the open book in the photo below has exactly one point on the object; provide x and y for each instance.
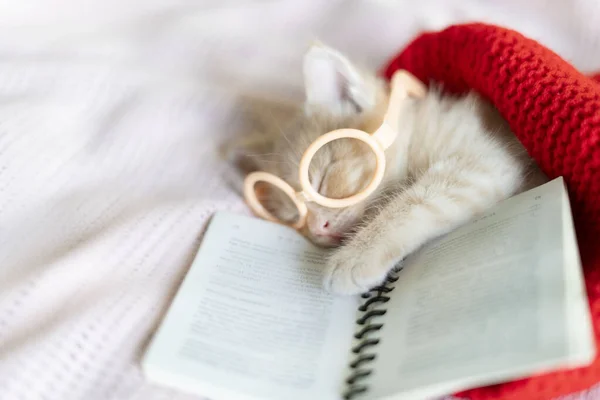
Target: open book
(497, 299)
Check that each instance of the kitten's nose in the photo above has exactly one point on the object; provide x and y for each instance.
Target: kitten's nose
(324, 229)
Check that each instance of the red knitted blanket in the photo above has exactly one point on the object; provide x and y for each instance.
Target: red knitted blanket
(555, 111)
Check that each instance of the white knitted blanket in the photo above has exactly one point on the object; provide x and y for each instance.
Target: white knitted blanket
(110, 114)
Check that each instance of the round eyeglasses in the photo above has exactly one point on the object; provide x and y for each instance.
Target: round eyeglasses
(403, 85)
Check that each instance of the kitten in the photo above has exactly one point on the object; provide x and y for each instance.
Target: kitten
(461, 159)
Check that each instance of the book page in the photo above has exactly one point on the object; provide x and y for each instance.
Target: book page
(251, 319)
(491, 301)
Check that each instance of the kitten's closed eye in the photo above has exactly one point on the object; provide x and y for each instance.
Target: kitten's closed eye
(345, 178)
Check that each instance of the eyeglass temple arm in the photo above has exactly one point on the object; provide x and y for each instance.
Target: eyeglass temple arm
(403, 84)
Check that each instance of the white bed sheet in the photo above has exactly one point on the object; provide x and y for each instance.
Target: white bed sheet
(110, 114)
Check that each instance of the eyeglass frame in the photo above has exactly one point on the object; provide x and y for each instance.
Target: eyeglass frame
(403, 85)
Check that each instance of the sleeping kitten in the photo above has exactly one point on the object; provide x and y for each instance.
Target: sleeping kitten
(461, 159)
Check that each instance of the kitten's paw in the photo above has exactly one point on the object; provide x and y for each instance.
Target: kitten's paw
(353, 271)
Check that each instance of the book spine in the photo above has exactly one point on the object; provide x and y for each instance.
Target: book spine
(369, 323)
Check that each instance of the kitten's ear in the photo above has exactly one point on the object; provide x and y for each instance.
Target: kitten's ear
(263, 121)
(333, 83)
(245, 153)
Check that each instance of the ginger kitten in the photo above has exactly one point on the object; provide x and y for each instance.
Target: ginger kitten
(461, 159)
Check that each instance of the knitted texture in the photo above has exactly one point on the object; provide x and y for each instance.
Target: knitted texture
(554, 110)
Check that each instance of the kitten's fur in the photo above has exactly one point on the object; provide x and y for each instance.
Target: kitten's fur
(461, 159)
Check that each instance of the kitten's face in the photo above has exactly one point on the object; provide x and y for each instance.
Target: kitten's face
(338, 95)
(340, 169)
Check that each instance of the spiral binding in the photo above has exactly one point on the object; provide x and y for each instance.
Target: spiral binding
(359, 366)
